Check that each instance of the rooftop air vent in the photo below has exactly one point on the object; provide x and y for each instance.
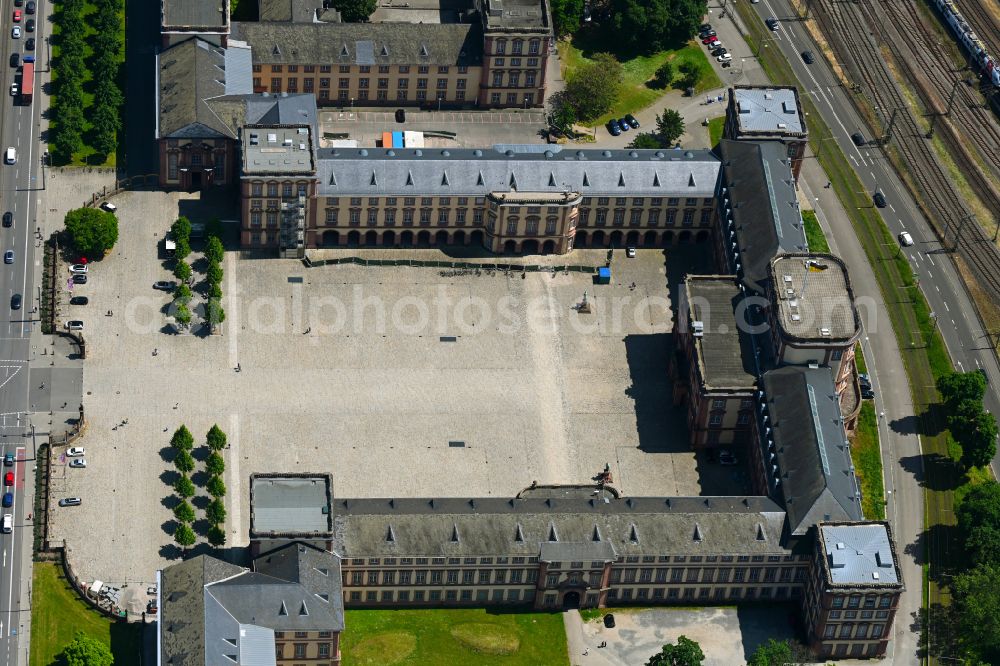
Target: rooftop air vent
(699, 328)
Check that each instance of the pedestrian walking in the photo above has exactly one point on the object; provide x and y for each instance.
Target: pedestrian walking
(586, 652)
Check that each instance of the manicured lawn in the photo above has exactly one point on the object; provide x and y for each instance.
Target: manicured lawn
(636, 92)
(814, 235)
(867, 459)
(715, 127)
(452, 636)
(57, 613)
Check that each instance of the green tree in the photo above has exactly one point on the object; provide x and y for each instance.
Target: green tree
(184, 487)
(181, 228)
(647, 26)
(977, 604)
(690, 74)
(979, 522)
(184, 536)
(93, 231)
(566, 16)
(214, 273)
(593, 88)
(685, 653)
(182, 294)
(664, 75)
(772, 653)
(215, 487)
(979, 441)
(646, 140)
(85, 650)
(215, 512)
(670, 126)
(183, 512)
(182, 315)
(66, 135)
(216, 438)
(182, 270)
(183, 248)
(214, 250)
(182, 439)
(355, 11)
(215, 291)
(184, 462)
(214, 464)
(562, 113)
(216, 536)
(958, 386)
(214, 314)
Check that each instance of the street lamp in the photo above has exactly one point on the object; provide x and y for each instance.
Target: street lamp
(352, 104)
(439, 103)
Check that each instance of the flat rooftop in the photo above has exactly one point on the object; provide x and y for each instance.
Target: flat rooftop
(725, 354)
(194, 14)
(813, 297)
(269, 149)
(293, 503)
(516, 14)
(859, 554)
(766, 110)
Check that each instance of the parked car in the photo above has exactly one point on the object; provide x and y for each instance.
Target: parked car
(14, 89)
(704, 26)
(79, 300)
(614, 129)
(858, 139)
(15, 32)
(8, 499)
(905, 239)
(8, 219)
(15, 59)
(879, 199)
(79, 268)
(74, 325)
(772, 23)
(109, 207)
(10, 155)
(709, 39)
(720, 50)
(70, 501)
(18, 3)
(165, 285)
(78, 462)
(17, 16)
(8, 257)
(867, 393)
(79, 278)
(8, 460)
(726, 457)
(30, 7)
(29, 26)
(864, 379)
(708, 33)
(630, 252)
(725, 57)
(8, 479)
(632, 122)
(30, 44)
(15, 302)
(75, 451)
(808, 57)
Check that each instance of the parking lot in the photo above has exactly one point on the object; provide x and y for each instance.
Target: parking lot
(397, 380)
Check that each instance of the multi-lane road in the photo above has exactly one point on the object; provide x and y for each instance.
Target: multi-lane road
(19, 185)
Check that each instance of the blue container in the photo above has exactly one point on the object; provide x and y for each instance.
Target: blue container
(604, 275)
(397, 139)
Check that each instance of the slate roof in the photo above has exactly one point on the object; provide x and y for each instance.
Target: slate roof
(190, 75)
(724, 352)
(813, 299)
(297, 11)
(316, 570)
(194, 13)
(763, 206)
(859, 554)
(290, 504)
(182, 611)
(455, 527)
(766, 111)
(810, 449)
(462, 171)
(363, 43)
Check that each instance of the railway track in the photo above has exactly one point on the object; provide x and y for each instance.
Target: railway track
(858, 50)
(986, 26)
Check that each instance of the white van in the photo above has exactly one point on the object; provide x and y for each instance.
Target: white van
(8, 523)
(10, 156)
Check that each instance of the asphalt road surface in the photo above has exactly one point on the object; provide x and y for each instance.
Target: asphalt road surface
(18, 185)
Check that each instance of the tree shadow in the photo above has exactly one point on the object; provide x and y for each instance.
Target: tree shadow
(170, 551)
(940, 546)
(933, 471)
(169, 477)
(201, 453)
(201, 526)
(167, 454)
(170, 501)
(200, 478)
(169, 526)
(939, 624)
(907, 425)
(201, 502)
(931, 421)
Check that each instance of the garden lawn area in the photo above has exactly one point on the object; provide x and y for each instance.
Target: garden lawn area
(867, 459)
(453, 636)
(814, 235)
(636, 94)
(715, 128)
(57, 613)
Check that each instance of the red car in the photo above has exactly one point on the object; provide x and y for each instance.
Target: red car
(8, 479)
(17, 16)
(709, 40)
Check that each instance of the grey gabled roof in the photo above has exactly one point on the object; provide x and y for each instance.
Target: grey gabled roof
(456, 527)
(316, 570)
(763, 205)
(362, 43)
(182, 611)
(194, 14)
(810, 449)
(189, 76)
(463, 171)
(297, 11)
(859, 554)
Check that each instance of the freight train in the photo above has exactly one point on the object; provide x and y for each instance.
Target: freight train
(974, 47)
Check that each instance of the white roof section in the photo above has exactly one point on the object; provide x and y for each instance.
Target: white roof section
(859, 554)
(773, 110)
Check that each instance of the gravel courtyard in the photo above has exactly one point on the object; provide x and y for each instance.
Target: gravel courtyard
(399, 381)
